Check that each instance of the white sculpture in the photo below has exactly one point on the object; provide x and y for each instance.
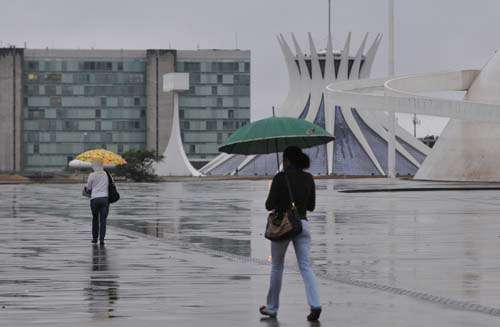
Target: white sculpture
(469, 146)
(175, 161)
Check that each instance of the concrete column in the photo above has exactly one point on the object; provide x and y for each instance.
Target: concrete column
(159, 104)
(11, 111)
(391, 146)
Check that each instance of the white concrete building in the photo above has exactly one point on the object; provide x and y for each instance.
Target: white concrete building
(469, 146)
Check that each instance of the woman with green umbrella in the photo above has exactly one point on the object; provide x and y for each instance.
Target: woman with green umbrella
(303, 191)
(293, 189)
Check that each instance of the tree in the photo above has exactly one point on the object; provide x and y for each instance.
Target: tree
(139, 166)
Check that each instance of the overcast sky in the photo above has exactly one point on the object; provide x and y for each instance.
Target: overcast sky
(432, 35)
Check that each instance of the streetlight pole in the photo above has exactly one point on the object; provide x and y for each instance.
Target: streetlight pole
(391, 147)
(329, 17)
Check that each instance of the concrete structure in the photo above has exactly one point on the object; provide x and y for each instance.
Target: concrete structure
(361, 141)
(160, 109)
(69, 101)
(11, 109)
(469, 146)
(175, 162)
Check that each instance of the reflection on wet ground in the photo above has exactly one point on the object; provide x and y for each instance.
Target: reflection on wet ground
(103, 287)
(183, 245)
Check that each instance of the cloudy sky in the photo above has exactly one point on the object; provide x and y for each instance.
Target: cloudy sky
(432, 35)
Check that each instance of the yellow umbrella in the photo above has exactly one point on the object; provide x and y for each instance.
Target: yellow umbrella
(109, 159)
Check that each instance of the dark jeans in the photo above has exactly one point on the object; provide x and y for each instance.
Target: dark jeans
(100, 208)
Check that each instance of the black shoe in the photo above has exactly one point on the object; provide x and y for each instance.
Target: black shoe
(94, 240)
(266, 312)
(101, 242)
(314, 315)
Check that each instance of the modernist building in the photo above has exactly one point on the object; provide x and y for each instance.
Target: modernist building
(55, 104)
(361, 139)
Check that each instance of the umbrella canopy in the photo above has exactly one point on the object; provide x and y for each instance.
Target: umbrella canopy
(109, 159)
(275, 134)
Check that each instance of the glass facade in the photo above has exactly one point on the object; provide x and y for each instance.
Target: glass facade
(217, 103)
(75, 104)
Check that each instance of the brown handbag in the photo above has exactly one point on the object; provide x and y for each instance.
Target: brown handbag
(284, 225)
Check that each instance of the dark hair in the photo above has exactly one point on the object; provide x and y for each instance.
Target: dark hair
(296, 157)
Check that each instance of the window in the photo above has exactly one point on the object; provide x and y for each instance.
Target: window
(55, 101)
(194, 78)
(104, 102)
(228, 125)
(143, 113)
(120, 146)
(219, 79)
(70, 125)
(184, 124)
(192, 66)
(120, 68)
(230, 114)
(181, 114)
(219, 138)
(67, 90)
(137, 125)
(214, 90)
(36, 114)
(211, 125)
(192, 148)
(98, 113)
(50, 90)
(97, 125)
(247, 67)
(32, 77)
(36, 148)
(137, 101)
(32, 65)
(219, 102)
(107, 137)
(53, 77)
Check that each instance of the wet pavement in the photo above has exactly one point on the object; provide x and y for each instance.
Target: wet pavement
(193, 253)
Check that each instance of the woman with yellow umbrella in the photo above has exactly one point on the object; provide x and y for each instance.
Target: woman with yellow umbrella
(100, 187)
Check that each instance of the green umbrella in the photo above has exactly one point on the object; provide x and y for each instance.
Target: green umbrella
(275, 134)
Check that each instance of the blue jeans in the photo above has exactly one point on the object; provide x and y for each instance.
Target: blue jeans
(100, 208)
(302, 244)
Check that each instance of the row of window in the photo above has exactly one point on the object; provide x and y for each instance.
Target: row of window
(85, 78)
(73, 65)
(212, 125)
(84, 125)
(217, 66)
(243, 90)
(58, 101)
(61, 137)
(65, 113)
(50, 90)
(199, 78)
(203, 113)
(210, 101)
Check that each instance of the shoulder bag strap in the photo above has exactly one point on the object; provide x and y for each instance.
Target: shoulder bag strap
(289, 190)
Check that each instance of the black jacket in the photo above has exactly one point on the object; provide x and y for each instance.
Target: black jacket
(303, 191)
